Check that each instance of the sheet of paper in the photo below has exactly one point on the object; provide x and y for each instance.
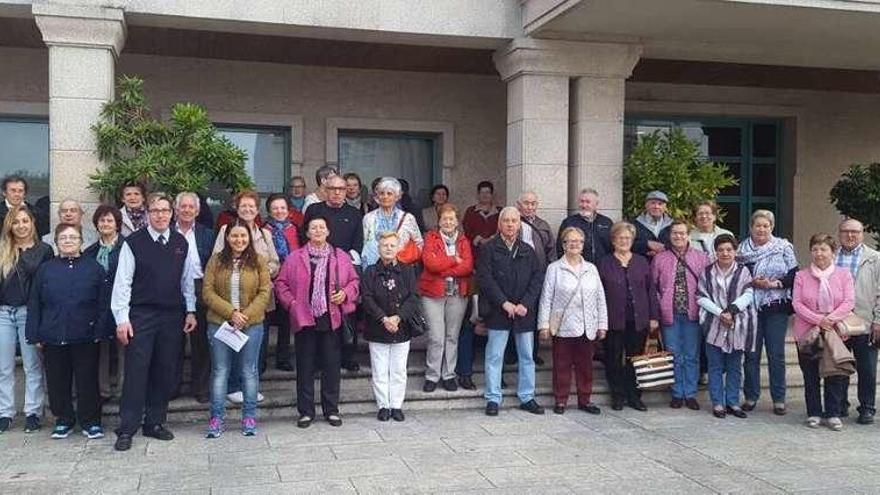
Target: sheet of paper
(227, 334)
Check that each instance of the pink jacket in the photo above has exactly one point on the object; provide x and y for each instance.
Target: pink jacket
(805, 299)
(663, 273)
(292, 287)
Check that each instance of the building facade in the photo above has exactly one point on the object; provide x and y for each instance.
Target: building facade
(542, 95)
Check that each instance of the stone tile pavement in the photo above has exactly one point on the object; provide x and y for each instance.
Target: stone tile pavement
(463, 451)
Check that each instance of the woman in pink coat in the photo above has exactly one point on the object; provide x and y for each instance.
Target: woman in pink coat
(823, 296)
(317, 286)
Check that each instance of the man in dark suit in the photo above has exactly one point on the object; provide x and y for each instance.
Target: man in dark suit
(15, 189)
(201, 239)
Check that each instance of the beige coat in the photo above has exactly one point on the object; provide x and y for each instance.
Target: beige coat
(868, 286)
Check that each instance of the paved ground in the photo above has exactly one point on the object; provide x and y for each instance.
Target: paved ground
(661, 451)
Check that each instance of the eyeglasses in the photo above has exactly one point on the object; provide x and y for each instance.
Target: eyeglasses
(160, 211)
(62, 238)
(335, 189)
(68, 210)
(851, 232)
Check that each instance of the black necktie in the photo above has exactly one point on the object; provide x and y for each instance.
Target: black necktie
(161, 239)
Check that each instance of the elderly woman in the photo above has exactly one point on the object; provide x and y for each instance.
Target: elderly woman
(631, 298)
(389, 217)
(21, 253)
(676, 275)
(67, 317)
(705, 230)
(390, 299)
(317, 286)
(285, 237)
(510, 278)
(236, 290)
(572, 311)
(772, 263)
(431, 214)
(134, 210)
(824, 295)
(108, 222)
(729, 321)
(444, 285)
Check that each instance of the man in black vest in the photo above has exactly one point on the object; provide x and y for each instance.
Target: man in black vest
(153, 299)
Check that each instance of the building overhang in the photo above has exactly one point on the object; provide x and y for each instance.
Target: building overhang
(840, 34)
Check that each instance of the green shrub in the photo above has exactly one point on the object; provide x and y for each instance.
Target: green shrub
(857, 195)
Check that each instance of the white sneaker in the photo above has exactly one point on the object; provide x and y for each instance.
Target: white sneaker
(813, 422)
(835, 424)
(238, 397)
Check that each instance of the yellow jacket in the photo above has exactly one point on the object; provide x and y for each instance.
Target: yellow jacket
(255, 287)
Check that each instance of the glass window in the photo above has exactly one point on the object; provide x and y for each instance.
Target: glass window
(407, 156)
(764, 139)
(24, 151)
(724, 141)
(267, 163)
(764, 179)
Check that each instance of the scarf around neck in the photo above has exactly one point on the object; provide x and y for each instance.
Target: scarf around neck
(321, 257)
(825, 301)
(278, 238)
(774, 259)
(449, 242)
(138, 217)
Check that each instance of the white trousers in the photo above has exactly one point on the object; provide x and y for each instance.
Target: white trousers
(388, 362)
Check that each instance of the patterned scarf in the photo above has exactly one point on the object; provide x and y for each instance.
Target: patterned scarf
(321, 257)
(103, 257)
(825, 301)
(449, 243)
(138, 217)
(723, 288)
(278, 238)
(774, 259)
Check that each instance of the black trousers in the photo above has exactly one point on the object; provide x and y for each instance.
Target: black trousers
(151, 359)
(866, 367)
(832, 389)
(619, 346)
(66, 366)
(200, 352)
(313, 349)
(281, 319)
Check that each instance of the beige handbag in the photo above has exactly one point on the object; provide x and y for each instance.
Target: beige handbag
(852, 326)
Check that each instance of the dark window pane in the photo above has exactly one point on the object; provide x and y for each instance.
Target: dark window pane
(735, 169)
(730, 212)
(764, 180)
(25, 152)
(724, 141)
(764, 140)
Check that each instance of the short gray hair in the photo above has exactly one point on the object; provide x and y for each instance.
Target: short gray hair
(765, 214)
(70, 200)
(187, 194)
(523, 194)
(508, 211)
(390, 184)
(588, 190)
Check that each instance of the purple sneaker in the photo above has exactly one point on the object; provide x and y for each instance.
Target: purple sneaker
(215, 428)
(249, 427)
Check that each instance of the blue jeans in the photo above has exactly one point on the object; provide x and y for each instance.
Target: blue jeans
(525, 385)
(222, 364)
(772, 326)
(683, 339)
(12, 323)
(725, 376)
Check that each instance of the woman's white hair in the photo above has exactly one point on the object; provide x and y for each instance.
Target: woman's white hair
(508, 211)
(390, 184)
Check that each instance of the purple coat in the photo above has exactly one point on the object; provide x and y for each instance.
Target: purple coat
(663, 273)
(614, 280)
(294, 279)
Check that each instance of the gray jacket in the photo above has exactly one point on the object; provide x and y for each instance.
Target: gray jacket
(868, 286)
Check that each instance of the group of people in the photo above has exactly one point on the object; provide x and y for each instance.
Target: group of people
(327, 267)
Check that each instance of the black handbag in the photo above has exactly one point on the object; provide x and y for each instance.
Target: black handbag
(417, 324)
(346, 330)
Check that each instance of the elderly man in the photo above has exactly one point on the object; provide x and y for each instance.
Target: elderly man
(153, 303)
(652, 226)
(596, 227)
(71, 213)
(296, 193)
(510, 280)
(201, 240)
(536, 233)
(15, 189)
(864, 264)
(320, 194)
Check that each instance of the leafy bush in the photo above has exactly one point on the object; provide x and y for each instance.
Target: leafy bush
(671, 162)
(857, 195)
(185, 154)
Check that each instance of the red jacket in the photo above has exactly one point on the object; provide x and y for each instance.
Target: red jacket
(438, 265)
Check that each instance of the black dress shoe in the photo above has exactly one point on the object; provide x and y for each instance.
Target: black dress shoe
(617, 404)
(637, 404)
(719, 413)
(779, 411)
(503, 383)
(492, 409)
(532, 407)
(747, 406)
(738, 412)
(123, 442)
(559, 409)
(589, 408)
(203, 399)
(285, 366)
(397, 415)
(429, 386)
(692, 404)
(351, 366)
(466, 383)
(304, 422)
(449, 385)
(334, 419)
(865, 419)
(159, 432)
(676, 403)
(384, 414)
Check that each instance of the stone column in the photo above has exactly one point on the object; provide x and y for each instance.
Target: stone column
(84, 43)
(597, 125)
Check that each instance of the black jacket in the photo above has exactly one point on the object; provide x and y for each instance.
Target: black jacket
(15, 288)
(387, 291)
(509, 275)
(346, 225)
(597, 236)
(644, 234)
(110, 274)
(68, 302)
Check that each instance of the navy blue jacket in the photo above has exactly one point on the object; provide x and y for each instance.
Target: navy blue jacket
(204, 243)
(68, 303)
(505, 275)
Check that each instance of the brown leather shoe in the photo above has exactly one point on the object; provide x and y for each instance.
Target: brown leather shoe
(692, 404)
(676, 403)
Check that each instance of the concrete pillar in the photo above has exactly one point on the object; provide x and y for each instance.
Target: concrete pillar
(547, 152)
(84, 43)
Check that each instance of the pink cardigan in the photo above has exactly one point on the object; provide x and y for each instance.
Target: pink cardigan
(805, 299)
(663, 273)
(292, 287)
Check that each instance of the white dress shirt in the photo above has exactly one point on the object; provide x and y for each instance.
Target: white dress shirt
(120, 302)
(190, 235)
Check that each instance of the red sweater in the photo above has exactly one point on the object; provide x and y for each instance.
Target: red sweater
(438, 265)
